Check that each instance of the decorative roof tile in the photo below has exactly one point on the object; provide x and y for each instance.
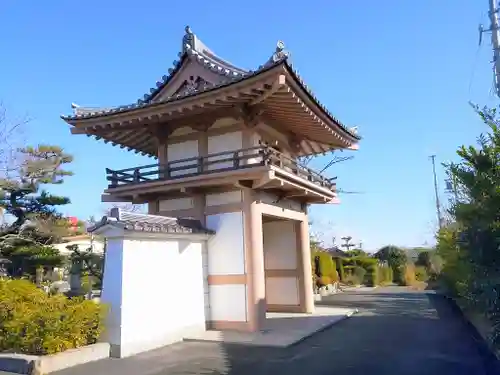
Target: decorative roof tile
(150, 223)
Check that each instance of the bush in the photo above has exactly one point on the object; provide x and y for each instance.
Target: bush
(372, 276)
(386, 275)
(351, 279)
(421, 273)
(340, 267)
(359, 273)
(409, 275)
(327, 266)
(32, 322)
(399, 275)
(394, 256)
(325, 280)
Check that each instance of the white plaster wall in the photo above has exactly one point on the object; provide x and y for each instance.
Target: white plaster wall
(162, 292)
(223, 198)
(176, 204)
(226, 255)
(112, 289)
(282, 291)
(280, 245)
(222, 143)
(183, 150)
(228, 302)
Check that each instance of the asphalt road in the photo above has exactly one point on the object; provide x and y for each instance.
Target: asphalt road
(396, 332)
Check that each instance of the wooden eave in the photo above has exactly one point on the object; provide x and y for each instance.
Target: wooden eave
(280, 96)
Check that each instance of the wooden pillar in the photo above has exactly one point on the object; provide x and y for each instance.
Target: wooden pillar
(161, 132)
(305, 269)
(162, 156)
(254, 262)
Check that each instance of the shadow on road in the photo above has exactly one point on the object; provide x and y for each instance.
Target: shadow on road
(395, 333)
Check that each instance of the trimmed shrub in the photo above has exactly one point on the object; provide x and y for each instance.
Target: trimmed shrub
(409, 275)
(327, 268)
(340, 268)
(372, 276)
(386, 275)
(33, 322)
(364, 261)
(359, 273)
(399, 275)
(325, 280)
(350, 279)
(421, 273)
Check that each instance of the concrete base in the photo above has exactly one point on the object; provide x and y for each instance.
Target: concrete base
(32, 364)
(282, 329)
(136, 347)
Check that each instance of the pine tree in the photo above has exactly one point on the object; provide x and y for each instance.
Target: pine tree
(37, 225)
(471, 246)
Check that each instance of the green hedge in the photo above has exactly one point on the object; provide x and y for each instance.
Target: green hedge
(386, 275)
(328, 268)
(399, 275)
(32, 322)
(339, 262)
(372, 276)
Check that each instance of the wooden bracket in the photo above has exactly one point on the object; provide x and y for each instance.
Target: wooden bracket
(294, 142)
(276, 85)
(251, 115)
(161, 131)
(201, 126)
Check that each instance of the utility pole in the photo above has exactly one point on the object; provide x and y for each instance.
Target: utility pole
(438, 204)
(495, 41)
(347, 245)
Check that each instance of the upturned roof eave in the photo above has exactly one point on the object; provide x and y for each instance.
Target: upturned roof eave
(333, 122)
(137, 106)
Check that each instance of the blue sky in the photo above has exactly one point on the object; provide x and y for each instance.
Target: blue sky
(402, 71)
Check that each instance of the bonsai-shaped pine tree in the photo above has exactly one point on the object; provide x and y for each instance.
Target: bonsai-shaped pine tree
(26, 241)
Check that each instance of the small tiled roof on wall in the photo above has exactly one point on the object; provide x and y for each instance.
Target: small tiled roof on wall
(150, 223)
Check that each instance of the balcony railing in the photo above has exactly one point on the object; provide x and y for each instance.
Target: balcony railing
(219, 162)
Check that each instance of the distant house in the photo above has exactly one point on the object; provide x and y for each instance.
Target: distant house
(83, 241)
(336, 252)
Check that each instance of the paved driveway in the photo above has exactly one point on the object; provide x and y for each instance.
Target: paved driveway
(396, 332)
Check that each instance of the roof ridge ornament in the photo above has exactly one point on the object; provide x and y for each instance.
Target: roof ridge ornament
(188, 39)
(280, 53)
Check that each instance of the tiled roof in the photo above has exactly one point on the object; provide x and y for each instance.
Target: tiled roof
(194, 48)
(335, 251)
(150, 223)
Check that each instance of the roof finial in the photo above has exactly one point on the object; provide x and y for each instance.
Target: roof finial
(280, 53)
(188, 39)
